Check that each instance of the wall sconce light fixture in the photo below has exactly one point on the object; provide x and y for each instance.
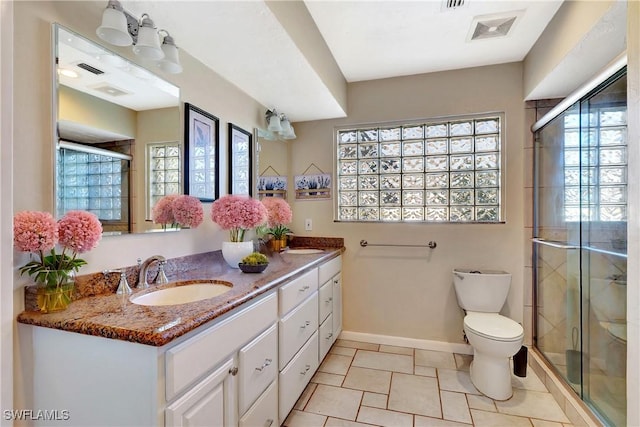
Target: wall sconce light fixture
(120, 28)
(278, 126)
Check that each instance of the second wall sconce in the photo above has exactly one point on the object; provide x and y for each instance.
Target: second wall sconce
(120, 28)
(278, 126)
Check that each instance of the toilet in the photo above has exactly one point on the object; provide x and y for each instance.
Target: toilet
(494, 338)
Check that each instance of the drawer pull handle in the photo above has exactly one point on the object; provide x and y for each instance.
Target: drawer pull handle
(330, 335)
(304, 288)
(329, 300)
(269, 423)
(335, 282)
(306, 369)
(307, 323)
(234, 371)
(266, 363)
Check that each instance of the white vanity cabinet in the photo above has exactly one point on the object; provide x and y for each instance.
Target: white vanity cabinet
(246, 368)
(192, 382)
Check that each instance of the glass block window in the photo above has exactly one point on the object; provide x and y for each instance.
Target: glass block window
(163, 172)
(431, 171)
(595, 165)
(92, 182)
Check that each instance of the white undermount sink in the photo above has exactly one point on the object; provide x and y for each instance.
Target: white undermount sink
(304, 251)
(182, 294)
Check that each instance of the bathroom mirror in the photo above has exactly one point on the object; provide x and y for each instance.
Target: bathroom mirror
(272, 159)
(118, 135)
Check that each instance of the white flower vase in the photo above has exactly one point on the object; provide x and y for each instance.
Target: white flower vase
(233, 252)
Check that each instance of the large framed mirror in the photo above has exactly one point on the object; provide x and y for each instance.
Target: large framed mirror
(118, 135)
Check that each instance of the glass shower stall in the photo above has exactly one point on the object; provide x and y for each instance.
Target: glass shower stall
(580, 245)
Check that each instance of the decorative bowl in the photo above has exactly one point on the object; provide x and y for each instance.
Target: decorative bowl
(249, 268)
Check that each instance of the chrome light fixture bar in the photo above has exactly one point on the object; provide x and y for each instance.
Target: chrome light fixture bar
(278, 126)
(120, 28)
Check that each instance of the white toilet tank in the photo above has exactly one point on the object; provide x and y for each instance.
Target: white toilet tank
(481, 290)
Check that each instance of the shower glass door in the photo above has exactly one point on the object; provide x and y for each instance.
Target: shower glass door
(580, 247)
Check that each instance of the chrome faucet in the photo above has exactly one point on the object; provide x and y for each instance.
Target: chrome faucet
(144, 268)
(123, 286)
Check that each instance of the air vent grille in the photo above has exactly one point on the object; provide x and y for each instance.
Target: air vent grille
(452, 4)
(90, 69)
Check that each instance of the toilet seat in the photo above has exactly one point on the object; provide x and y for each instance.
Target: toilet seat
(493, 326)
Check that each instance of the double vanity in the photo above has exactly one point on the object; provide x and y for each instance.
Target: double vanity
(240, 358)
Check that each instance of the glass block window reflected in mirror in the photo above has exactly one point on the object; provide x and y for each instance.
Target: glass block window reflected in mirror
(93, 182)
(595, 171)
(163, 172)
(431, 171)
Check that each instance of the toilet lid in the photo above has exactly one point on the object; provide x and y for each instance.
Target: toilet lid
(493, 326)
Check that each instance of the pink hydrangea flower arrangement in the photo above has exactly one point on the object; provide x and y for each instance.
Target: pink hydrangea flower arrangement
(188, 211)
(178, 210)
(38, 233)
(278, 214)
(238, 214)
(162, 212)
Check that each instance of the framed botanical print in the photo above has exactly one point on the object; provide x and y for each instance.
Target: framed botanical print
(201, 153)
(240, 160)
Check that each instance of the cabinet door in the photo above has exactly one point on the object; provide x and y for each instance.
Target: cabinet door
(209, 403)
(337, 305)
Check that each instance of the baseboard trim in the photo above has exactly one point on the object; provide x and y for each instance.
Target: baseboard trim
(407, 342)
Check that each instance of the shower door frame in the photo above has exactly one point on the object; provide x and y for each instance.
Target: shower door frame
(613, 71)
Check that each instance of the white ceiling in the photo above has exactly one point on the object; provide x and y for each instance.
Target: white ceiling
(379, 39)
(247, 43)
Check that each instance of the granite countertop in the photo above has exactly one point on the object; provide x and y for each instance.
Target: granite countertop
(112, 316)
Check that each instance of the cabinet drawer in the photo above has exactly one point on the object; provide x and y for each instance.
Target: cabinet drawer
(325, 337)
(296, 291)
(258, 367)
(329, 269)
(325, 301)
(264, 413)
(188, 361)
(296, 328)
(297, 375)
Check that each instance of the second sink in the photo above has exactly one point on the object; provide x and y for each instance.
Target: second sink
(304, 251)
(182, 294)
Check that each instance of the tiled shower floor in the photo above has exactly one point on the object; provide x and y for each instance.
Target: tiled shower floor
(362, 384)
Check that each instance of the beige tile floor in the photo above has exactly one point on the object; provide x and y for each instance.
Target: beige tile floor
(363, 384)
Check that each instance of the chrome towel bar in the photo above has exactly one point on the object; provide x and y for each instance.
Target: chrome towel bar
(431, 245)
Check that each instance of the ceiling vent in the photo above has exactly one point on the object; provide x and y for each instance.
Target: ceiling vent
(109, 89)
(452, 4)
(90, 69)
(492, 26)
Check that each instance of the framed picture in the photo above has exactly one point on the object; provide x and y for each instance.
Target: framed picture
(272, 186)
(310, 187)
(201, 153)
(240, 149)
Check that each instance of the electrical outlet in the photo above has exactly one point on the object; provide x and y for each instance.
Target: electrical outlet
(308, 224)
